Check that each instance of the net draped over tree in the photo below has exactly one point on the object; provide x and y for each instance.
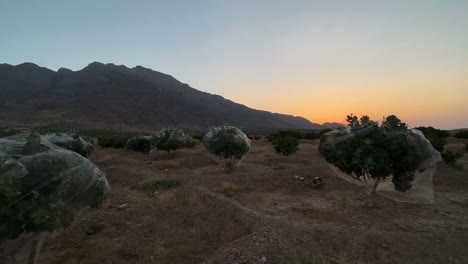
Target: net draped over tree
(370, 152)
(171, 139)
(42, 186)
(229, 143)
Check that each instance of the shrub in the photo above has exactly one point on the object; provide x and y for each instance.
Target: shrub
(310, 135)
(370, 153)
(286, 145)
(155, 184)
(284, 133)
(198, 136)
(451, 157)
(171, 139)
(139, 143)
(113, 141)
(5, 132)
(229, 143)
(462, 134)
(323, 131)
(435, 136)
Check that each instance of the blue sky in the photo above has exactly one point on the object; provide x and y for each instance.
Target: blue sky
(318, 59)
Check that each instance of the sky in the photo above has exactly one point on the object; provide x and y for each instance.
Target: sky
(318, 59)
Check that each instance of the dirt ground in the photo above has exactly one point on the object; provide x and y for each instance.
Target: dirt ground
(258, 214)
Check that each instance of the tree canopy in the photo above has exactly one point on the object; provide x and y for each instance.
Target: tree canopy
(229, 143)
(370, 152)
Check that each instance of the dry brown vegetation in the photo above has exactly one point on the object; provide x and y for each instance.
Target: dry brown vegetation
(258, 211)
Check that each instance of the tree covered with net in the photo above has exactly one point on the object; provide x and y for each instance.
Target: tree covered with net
(229, 143)
(370, 152)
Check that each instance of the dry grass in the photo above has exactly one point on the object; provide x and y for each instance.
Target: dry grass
(156, 184)
(229, 188)
(171, 164)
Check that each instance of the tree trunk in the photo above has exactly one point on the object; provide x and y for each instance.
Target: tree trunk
(36, 248)
(23, 250)
(374, 187)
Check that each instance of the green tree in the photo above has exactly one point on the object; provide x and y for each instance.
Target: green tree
(435, 136)
(371, 154)
(324, 131)
(139, 143)
(394, 123)
(229, 143)
(286, 145)
(451, 157)
(462, 134)
(352, 121)
(172, 139)
(42, 187)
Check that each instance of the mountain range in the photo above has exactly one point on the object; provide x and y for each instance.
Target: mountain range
(115, 96)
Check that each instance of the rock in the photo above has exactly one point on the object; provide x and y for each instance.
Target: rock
(299, 178)
(263, 259)
(404, 227)
(123, 206)
(317, 182)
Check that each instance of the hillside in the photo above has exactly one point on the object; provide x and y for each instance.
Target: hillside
(111, 96)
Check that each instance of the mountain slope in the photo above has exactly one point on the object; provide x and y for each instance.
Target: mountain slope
(107, 95)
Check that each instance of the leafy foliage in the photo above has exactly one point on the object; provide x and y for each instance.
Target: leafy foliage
(437, 137)
(81, 145)
(139, 143)
(283, 133)
(371, 153)
(324, 131)
(5, 132)
(155, 184)
(462, 134)
(310, 135)
(286, 145)
(113, 141)
(42, 186)
(172, 139)
(394, 123)
(199, 136)
(451, 157)
(229, 143)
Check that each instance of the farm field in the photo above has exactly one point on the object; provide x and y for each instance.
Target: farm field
(258, 214)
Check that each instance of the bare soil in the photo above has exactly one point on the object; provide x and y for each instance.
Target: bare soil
(258, 214)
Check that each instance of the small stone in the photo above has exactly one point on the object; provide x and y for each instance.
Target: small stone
(90, 232)
(297, 177)
(385, 245)
(404, 227)
(123, 206)
(263, 259)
